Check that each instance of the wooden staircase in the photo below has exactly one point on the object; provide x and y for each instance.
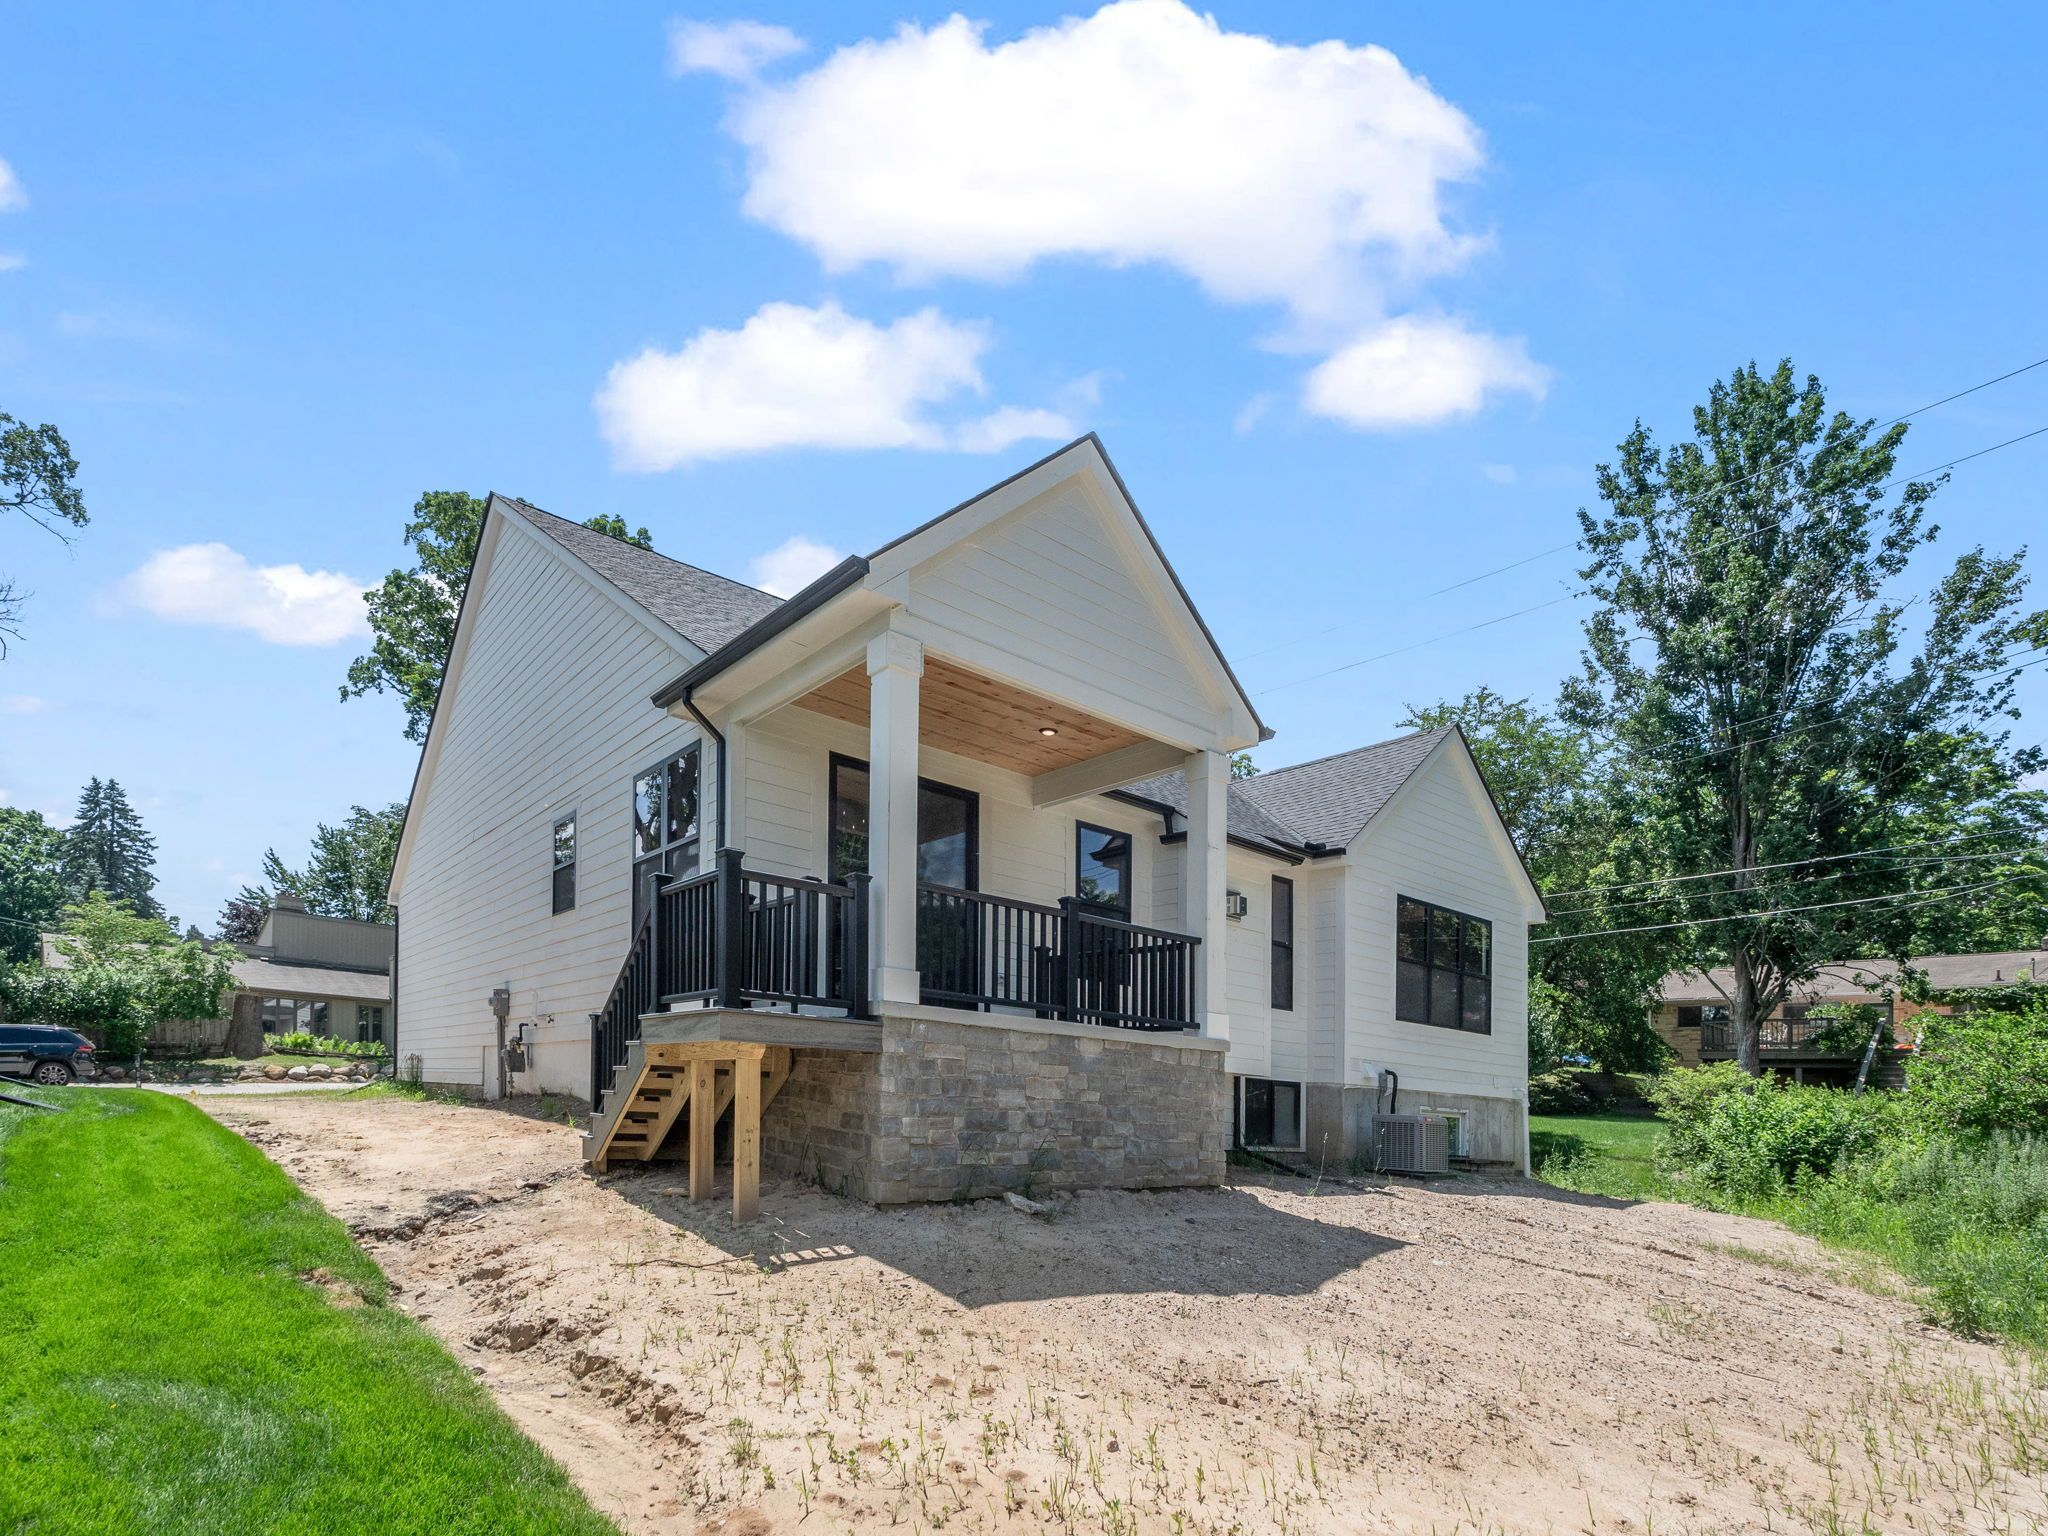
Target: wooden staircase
(663, 1093)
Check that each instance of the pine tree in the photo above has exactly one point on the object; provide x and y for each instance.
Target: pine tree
(109, 850)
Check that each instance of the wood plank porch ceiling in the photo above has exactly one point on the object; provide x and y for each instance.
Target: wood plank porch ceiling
(969, 715)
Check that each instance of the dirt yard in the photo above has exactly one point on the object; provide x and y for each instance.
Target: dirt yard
(1477, 1356)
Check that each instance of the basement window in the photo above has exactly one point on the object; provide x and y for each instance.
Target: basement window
(565, 863)
(1270, 1114)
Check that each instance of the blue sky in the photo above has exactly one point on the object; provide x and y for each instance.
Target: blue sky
(1354, 327)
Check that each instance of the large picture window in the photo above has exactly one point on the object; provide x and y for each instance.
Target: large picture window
(1102, 864)
(1283, 943)
(665, 840)
(1443, 967)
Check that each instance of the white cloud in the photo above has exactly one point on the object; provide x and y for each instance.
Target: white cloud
(1412, 371)
(791, 377)
(792, 565)
(1012, 424)
(11, 194)
(1499, 474)
(6, 796)
(22, 704)
(738, 50)
(1311, 178)
(12, 261)
(1303, 176)
(1252, 412)
(215, 586)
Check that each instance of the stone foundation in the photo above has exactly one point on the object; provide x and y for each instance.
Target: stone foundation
(960, 1107)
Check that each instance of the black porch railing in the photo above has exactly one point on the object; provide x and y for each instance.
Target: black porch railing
(732, 938)
(1070, 962)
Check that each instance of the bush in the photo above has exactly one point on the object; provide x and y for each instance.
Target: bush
(1559, 1093)
(302, 1042)
(1749, 1144)
(106, 1002)
(1684, 1094)
(1980, 1072)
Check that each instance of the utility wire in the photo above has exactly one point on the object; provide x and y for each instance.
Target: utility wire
(1918, 410)
(1822, 906)
(1754, 869)
(2016, 853)
(1417, 645)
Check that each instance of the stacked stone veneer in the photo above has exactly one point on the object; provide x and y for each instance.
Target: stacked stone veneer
(960, 1110)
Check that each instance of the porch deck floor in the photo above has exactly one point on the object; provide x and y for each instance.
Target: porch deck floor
(760, 1026)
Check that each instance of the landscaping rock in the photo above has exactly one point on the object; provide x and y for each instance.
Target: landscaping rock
(298, 1074)
(274, 1072)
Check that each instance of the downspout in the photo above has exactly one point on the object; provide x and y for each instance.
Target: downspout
(724, 775)
(394, 994)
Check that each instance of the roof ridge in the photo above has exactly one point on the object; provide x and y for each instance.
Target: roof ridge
(570, 522)
(1330, 757)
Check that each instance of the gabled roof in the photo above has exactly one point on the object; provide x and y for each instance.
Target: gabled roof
(703, 607)
(1329, 800)
(1325, 803)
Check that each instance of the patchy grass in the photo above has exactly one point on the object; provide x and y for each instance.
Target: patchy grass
(1612, 1155)
(190, 1344)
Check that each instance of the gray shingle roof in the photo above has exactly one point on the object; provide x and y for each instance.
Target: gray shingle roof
(1327, 801)
(1861, 978)
(706, 608)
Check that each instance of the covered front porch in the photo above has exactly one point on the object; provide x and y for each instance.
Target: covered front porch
(915, 779)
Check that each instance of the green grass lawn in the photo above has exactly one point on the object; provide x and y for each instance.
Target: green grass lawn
(165, 1368)
(1599, 1155)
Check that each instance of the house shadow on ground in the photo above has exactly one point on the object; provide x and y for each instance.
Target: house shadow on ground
(981, 1253)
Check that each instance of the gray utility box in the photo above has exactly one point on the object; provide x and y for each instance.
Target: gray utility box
(1412, 1143)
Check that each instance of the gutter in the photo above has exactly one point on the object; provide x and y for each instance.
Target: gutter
(807, 602)
(724, 775)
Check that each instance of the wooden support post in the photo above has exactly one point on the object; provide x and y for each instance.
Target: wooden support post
(746, 1139)
(703, 1124)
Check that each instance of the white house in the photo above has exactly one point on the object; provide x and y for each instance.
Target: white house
(935, 873)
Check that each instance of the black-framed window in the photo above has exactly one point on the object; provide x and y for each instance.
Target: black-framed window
(665, 831)
(565, 862)
(1693, 1015)
(1443, 967)
(1102, 869)
(1270, 1113)
(1283, 943)
(948, 828)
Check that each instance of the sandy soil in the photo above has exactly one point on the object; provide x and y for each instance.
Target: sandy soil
(1484, 1356)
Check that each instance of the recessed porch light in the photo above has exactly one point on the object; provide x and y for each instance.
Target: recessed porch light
(1048, 730)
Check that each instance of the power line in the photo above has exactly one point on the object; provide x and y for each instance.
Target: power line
(1754, 869)
(2017, 852)
(1952, 463)
(1821, 906)
(1417, 645)
(1918, 410)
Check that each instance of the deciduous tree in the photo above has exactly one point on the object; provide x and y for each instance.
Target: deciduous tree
(31, 882)
(39, 480)
(1783, 708)
(348, 868)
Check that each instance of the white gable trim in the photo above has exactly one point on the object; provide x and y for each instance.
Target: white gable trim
(1083, 463)
(499, 515)
(1481, 799)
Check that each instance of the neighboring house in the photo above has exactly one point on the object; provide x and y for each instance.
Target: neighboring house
(326, 975)
(990, 910)
(1799, 1040)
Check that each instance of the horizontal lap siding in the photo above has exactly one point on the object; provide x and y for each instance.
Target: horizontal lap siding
(550, 713)
(1438, 848)
(1262, 1042)
(1047, 582)
(1322, 905)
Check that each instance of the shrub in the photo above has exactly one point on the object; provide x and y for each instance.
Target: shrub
(1749, 1144)
(306, 1043)
(106, 1002)
(1558, 1093)
(1979, 1072)
(1684, 1094)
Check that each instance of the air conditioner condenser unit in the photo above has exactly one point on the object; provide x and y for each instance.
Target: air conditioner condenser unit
(1412, 1143)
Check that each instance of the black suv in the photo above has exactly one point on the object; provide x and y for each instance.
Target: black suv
(44, 1053)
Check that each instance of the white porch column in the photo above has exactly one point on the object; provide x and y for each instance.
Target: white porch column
(895, 670)
(1204, 870)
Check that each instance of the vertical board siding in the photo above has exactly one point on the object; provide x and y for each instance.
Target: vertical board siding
(550, 714)
(1439, 847)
